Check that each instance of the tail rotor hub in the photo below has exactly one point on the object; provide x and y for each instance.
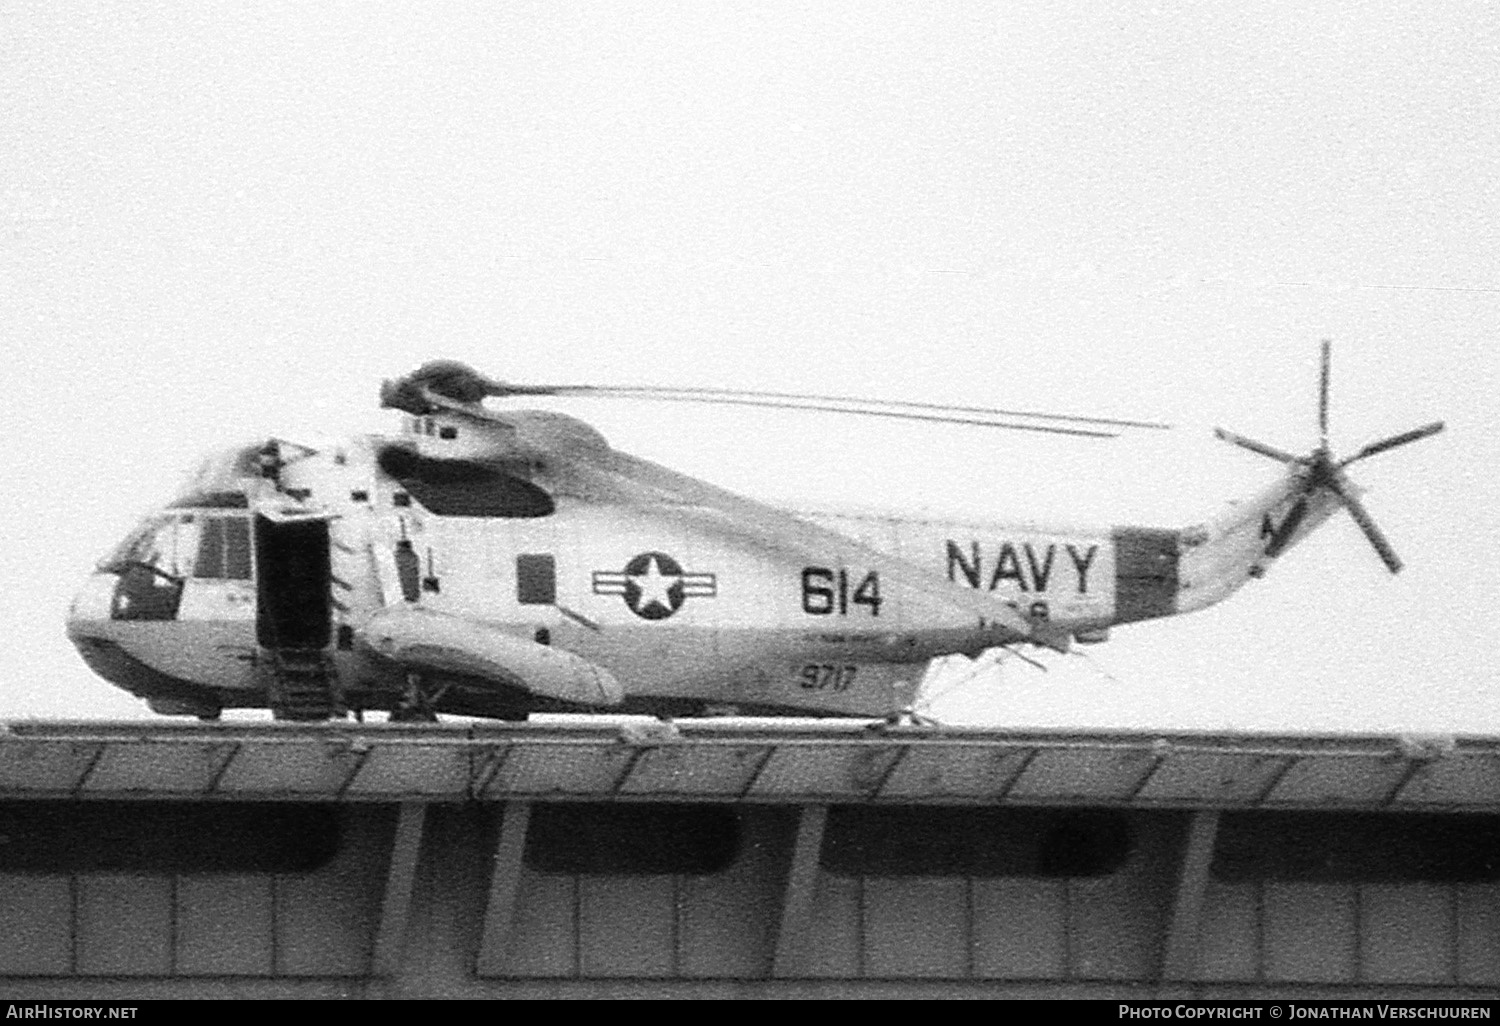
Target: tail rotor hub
(1326, 473)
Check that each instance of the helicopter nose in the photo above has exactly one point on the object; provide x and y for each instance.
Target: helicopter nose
(92, 606)
(88, 626)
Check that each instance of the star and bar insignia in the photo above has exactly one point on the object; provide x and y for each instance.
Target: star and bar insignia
(654, 585)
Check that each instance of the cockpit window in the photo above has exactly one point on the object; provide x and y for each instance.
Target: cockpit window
(167, 545)
(176, 546)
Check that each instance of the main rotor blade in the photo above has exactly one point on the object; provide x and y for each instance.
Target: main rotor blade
(1367, 525)
(891, 414)
(749, 397)
(1254, 446)
(1323, 395)
(447, 384)
(1395, 440)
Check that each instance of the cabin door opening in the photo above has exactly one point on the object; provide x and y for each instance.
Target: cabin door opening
(293, 607)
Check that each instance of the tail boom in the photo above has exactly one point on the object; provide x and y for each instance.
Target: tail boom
(1219, 556)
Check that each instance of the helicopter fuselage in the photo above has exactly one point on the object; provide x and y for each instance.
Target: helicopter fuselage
(498, 563)
(524, 562)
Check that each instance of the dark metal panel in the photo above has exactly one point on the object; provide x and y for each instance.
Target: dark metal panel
(536, 579)
(1145, 573)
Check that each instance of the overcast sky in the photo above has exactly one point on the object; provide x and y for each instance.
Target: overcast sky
(222, 222)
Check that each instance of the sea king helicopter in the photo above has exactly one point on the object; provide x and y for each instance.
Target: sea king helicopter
(496, 562)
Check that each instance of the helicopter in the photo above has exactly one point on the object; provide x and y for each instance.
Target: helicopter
(495, 562)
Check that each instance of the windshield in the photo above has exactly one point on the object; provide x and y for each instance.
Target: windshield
(168, 544)
(182, 545)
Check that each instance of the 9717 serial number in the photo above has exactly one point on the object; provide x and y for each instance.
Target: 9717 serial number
(827, 677)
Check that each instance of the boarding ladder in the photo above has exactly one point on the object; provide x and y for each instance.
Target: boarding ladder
(302, 684)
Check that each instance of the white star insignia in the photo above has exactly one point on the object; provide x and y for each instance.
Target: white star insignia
(653, 587)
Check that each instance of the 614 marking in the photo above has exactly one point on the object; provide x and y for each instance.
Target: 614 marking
(826, 591)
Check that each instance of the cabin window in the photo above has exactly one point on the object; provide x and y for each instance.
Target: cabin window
(974, 842)
(632, 840)
(166, 837)
(1357, 847)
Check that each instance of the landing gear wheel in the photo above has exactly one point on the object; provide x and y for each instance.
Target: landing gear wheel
(418, 704)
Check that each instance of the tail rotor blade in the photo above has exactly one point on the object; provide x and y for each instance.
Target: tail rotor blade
(1367, 525)
(1395, 440)
(1323, 394)
(1254, 446)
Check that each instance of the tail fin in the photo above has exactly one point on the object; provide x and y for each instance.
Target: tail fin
(1242, 543)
